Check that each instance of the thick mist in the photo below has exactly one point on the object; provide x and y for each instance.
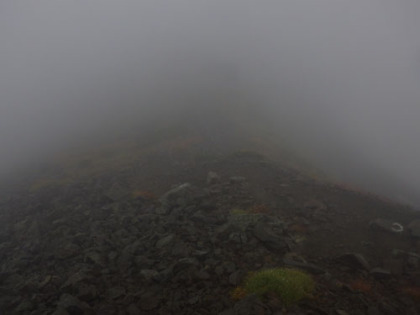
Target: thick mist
(338, 79)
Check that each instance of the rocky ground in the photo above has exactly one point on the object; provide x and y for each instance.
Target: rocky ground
(175, 234)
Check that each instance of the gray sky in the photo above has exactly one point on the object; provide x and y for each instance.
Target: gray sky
(340, 77)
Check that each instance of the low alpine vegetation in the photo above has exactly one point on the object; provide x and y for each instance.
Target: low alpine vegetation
(289, 285)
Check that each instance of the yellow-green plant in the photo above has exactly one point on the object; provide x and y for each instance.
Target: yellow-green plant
(238, 211)
(289, 285)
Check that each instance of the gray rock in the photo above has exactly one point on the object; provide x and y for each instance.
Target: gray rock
(237, 179)
(166, 241)
(67, 251)
(200, 253)
(25, 306)
(386, 225)
(179, 196)
(180, 248)
(212, 178)
(44, 282)
(116, 292)
(149, 301)
(265, 235)
(250, 305)
(73, 281)
(149, 274)
(219, 270)
(202, 275)
(238, 237)
(414, 228)
(396, 266)
(201, 217)
(184, 263)
(95, 258)
(315, 205)
(413, 260)
(72, 304)
(380, 273)
(132, 309)
(117, 192)
(86, 292)
(373, 310)
(60, 311)
(235, 278)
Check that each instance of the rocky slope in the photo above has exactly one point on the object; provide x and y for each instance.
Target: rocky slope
(176, 233)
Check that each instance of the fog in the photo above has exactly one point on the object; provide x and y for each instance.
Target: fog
(338, 79)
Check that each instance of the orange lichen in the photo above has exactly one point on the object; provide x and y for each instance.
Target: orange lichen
(144, 194)
(238, 293)
(259, 209)
(298, 228)
(268, 259)
(183, 144)
(361, 285)
(412, 291)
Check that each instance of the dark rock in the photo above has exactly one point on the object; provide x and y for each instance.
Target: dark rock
(315, 205)
(204, 218)
(236, 277)
(44, 282)
(179, 196)
(72, 304)
(202, 275)
(149, 274)
(387, 308)
(117, 192)
(250, 305)
(373, 310)
(96, 258)
(219, 270)
(132, 309)
(354, 260)
(212, 178)
(413, 261)
(311, 268)
(264, 234)
(386, 225)
(73, 280)
(380, 273)
(166, 241)
(116, 292)
(414, 228)
(67, 251)
(180, 248)
(25, 306)
(237, 179)
(86, 292)
(396, 266)
(149, 301)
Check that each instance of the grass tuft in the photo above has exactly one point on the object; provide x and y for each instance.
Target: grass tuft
(289, 285)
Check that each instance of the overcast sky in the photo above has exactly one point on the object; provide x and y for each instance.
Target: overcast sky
(341, 77)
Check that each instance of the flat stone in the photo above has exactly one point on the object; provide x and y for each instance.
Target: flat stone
(165, 241)
(380, 273)
(354, 260)
(116, 292)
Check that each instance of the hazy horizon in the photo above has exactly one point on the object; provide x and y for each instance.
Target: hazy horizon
(339, 80)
